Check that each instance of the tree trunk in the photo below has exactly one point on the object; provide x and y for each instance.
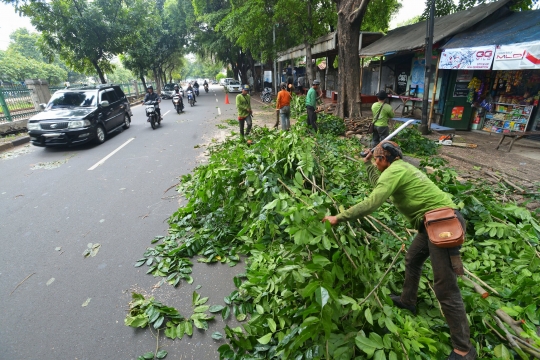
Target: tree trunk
(99, 72)
(310, 74)
(143, 82)
(350, 16)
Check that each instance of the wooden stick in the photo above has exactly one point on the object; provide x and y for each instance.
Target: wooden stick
(440, 307)
(372, 225)
(494, 330)
(527, 347)
(384, 275)
(26, 278)
(510, 339)
(480, 281)
(514, 325)
(386, 227)
(476, 287)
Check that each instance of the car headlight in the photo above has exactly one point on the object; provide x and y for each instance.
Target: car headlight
(78, 124)
(33, 126)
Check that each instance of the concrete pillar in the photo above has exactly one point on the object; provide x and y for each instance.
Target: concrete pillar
(136, 86)
(39, 92)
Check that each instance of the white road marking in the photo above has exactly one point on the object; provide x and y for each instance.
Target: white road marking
(100, 162)
(219, 111)
(166, 113)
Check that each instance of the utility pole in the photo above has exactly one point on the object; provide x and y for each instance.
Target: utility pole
(275, 69)
(428, 54)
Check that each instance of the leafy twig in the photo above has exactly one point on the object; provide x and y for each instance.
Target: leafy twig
(480, 280)
(510, 339)
(384, 275)
(386, 227)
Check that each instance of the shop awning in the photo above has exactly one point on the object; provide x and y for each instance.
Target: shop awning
(411, 37)
(515, 36)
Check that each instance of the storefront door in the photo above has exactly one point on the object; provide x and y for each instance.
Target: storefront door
(457, 111)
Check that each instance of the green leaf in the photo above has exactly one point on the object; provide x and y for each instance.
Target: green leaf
(241, 317)
(379, 355)
(321, 296)
(225, 313)
(366, 345)
(368, 316)
(217, 335)
(216, 308)
(390, 325)
(202, 301)
(181, 329)
(158, 322)
(198, 287)
(189, 328)
(149, 356)
(161, 354)
(502, 352)
(201, 309)
(200, 324)
(260, 309)
(265, 339)
(195, 298)
(320, 260)
(272, 325)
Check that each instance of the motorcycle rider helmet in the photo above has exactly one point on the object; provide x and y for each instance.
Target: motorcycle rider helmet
(150, 87)
(176, 87)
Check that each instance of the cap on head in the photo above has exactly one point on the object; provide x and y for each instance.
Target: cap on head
(245, 87)
(316, 82)
(389, 149)
(381, 95)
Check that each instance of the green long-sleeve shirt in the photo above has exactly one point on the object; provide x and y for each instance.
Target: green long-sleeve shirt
(386, 113)
(409, 189)
(243, 105)
(311, 97)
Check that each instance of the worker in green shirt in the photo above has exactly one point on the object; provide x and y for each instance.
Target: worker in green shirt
(414, 194)
(382, 112)
(311, 103)
(243, 105)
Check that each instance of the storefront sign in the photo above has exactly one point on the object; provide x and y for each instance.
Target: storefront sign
(461, 90)
(476, 58)
(517, 56)
(464, 76)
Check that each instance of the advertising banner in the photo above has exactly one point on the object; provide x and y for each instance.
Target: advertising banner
(517, 56)
(417, 76)
(473, 58)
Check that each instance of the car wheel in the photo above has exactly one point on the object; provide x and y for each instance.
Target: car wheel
(127, 121)
(100, 135)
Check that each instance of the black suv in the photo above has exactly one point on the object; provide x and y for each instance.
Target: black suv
(78, 115)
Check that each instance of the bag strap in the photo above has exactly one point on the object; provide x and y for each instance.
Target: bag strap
(378, 113)
(248, 103)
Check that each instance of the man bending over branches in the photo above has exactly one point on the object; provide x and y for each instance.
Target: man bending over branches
(414, 194)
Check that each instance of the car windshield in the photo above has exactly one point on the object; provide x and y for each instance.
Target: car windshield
(72, 99)
(232, 82)
(169, 87)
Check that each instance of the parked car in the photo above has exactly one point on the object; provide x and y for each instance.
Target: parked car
(78, 115)
(234, 86)
(226, 81)
(168, 91)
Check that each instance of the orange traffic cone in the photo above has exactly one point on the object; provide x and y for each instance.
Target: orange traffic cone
(227, 99)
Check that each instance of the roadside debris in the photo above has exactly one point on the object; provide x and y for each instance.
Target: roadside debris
(92, 250)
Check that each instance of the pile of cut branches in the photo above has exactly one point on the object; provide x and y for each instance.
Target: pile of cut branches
(315, 292)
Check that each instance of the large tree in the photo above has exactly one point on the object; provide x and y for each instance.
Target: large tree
(86, 34)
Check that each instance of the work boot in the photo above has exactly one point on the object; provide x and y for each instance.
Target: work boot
(471, 355)
(397, 302)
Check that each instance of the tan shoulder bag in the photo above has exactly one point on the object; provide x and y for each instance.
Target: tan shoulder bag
(444, 228)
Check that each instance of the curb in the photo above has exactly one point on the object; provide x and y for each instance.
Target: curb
(13, 143)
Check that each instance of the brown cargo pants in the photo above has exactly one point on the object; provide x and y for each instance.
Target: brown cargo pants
(445, 279)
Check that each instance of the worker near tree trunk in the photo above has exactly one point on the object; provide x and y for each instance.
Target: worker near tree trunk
(311, 103)
(243, 105)
(414, 194)
(382, 112)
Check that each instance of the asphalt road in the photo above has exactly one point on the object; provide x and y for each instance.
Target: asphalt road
(50, 199)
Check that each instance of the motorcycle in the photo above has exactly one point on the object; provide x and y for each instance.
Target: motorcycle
(178, 104)
(266, 95)
(191, 97)
(206, 88)
(153, 117)
(196, 89)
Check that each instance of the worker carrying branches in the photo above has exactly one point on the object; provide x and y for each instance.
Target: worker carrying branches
(419, 199)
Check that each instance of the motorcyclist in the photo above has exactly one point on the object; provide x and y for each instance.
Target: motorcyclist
(190, 88)
(177, 92)
(196, 85)
(205, 85)
(152, 96)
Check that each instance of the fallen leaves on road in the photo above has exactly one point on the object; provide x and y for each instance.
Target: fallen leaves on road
(92, 250)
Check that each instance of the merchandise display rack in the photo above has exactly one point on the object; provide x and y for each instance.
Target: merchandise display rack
(507, 118)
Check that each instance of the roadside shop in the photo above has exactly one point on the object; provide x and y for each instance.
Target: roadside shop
(494, 81)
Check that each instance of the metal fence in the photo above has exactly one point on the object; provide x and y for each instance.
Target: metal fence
(15, 103)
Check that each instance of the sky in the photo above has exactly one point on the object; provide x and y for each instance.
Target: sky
(9, 22)
(409, 9)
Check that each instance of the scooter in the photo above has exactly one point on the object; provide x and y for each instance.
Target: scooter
(191, 97)
(206, 88)
(153, 117)
(196, 89)
(178, 103)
